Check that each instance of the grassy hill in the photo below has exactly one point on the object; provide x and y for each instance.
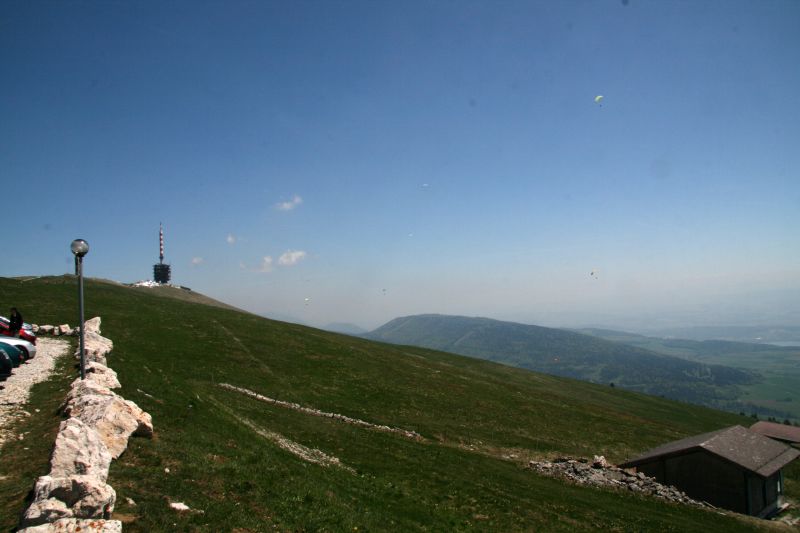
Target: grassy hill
(570, 354)
(777, 393)
(225, 453)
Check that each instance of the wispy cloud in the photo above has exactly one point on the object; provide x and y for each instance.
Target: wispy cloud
(231, 238)
(291, 204)
(265, 265)
(197, 261)
(291, 257)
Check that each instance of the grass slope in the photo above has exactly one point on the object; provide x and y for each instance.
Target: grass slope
(215, 448)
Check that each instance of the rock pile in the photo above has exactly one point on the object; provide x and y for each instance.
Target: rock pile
(74, 496)
(56, 331)
(600, 473)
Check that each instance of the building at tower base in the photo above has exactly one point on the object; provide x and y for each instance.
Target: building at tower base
(161, 273)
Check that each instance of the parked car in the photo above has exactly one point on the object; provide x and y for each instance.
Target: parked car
(13, 352)
(25, 325)
(6, 365)
(28, 350)
(26, 333)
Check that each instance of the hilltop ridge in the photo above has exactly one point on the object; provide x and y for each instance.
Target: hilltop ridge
(569, 354)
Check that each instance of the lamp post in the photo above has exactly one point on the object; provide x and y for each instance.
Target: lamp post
(80, 248)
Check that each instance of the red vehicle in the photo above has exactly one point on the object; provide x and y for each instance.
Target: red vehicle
(25, 333)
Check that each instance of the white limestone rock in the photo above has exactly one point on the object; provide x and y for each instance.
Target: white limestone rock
(101, 374)
(145, 423)
(79, 451)
(114, 419)
(77, 525)
(44, 511)
(96, 347)
(179, 506)
(84, 387)
(81, 496)
(93, 325)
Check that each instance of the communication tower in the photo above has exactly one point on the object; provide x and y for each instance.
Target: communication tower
(161, 272)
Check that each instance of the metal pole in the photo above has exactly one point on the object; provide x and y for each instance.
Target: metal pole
(80, 311)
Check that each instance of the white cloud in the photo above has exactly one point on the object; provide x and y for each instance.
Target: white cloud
(231, 239)
(197, 261)
(291, 204)
(266, 265)
(291, 257)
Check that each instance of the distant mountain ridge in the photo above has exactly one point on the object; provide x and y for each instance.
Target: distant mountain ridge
(345, 327)
(569, 354)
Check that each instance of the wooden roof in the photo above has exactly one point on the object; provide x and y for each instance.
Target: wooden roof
(747, 449)
(777, 431)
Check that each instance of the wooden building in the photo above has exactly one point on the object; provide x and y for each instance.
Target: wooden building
(732, 468)
(781, 432)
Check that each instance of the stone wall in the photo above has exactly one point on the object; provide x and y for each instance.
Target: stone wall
(74, 496)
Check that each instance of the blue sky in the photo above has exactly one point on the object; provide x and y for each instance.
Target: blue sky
(357, 161)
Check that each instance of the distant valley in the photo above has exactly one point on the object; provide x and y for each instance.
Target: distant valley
(345, 327)
(776, 393)
(780, 335)
(737, 377)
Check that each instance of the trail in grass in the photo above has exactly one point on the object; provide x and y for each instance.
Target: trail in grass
(316, 412)
(312, 455)
(244, 348)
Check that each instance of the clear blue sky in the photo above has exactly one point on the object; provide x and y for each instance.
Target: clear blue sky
(342, 161)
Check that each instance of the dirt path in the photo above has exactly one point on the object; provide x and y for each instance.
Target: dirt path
(316, 412)
(16, 388)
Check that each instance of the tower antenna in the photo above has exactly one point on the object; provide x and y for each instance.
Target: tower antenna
(161, 272)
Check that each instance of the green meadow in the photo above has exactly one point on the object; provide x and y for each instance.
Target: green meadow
(238, 462)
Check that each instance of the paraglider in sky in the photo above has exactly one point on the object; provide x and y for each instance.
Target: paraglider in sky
(307, 300)
(599, 100)
(594, 273)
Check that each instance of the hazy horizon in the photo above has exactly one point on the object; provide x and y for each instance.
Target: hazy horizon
(358, 161)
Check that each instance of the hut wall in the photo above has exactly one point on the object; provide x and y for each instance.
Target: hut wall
(768, 500)
(755, 492)
(703, 477)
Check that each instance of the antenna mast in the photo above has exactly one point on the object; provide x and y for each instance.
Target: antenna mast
(161, 243)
